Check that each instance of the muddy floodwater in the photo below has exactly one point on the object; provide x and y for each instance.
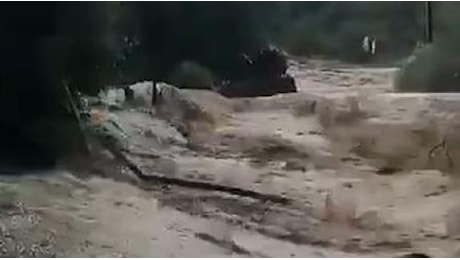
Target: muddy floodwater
(343, 168)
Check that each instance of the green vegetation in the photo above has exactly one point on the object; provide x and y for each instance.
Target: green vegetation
(336, 29)
(190, 74)
(436, 67)
(123, 43)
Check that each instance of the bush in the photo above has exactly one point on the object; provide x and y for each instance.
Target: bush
(430, 69)
(435, 68)
(414, 71)
(190, 74)
(336, 29)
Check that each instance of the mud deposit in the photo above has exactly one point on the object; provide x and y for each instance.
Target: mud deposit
(343, 168)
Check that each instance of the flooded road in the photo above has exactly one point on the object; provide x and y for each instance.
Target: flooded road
(306, 176)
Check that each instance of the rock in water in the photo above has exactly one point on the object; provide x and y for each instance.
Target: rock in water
(191, 111)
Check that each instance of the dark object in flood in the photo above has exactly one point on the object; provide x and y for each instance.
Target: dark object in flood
(270, 61)
(416, 255)
(265, 75)
(387, 170)
(129, 93)
(259, 87)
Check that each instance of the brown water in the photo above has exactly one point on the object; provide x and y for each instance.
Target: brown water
(340, 206)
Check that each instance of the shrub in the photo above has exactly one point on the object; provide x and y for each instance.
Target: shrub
(435, 68)
(190, 74)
